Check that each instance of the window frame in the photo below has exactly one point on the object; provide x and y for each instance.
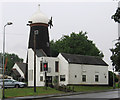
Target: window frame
(61, 78)
(41, 66)
(56, 66)
(97, 78)
(41, 77)
(84, 78)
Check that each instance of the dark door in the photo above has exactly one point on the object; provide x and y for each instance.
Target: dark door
(49, 80)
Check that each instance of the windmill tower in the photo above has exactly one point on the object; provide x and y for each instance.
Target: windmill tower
(38, 40)
(40, 22)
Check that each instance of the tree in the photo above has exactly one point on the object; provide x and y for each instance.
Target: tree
(12, 58)
(116, 51)
(116, 16)
(116, 56)
(111, 78)
(75, 44)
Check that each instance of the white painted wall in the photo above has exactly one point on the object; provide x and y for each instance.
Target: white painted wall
(30, 66)
(90, 71)
(19, 70)
(63, 69)
(69, 70)
(51, 66)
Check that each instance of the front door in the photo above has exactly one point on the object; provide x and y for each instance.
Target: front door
(49, 80)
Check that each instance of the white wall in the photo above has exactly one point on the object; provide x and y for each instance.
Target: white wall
(51, 66)
(90, 71)
(30, 66)
(19, 70)
(63, 69)
(69, 70)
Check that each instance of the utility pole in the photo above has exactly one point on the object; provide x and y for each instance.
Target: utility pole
(35, 33)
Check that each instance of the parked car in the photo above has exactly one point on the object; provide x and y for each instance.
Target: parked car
(12, 83)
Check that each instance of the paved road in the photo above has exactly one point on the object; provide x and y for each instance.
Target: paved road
(87, 96)
(94, 96)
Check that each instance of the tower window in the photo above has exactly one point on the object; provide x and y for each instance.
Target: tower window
(47, 44)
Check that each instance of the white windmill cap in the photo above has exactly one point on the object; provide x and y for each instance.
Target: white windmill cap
(39, 17)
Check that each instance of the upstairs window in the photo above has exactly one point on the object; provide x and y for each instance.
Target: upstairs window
(41, 66)
(56, 66)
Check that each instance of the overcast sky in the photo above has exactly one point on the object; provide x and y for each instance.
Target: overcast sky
(91, 17)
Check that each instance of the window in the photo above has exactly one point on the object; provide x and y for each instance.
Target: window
(41, 66)
(75, 76)
(30, 75)
(56, 66)
(47, 44)
(41, 78)
(96, 78)
(83, 78)
(62, 77)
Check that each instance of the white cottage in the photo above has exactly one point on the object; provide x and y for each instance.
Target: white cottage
(68, 69)
(19, 71)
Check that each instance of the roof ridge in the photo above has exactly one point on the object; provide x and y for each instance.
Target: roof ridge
(81, 55)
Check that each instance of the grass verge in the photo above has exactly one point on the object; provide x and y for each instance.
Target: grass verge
(19, 92)
(91, 88)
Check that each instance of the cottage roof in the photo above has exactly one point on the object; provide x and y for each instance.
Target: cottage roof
(83, 59)
(22, 66)
(16, 72)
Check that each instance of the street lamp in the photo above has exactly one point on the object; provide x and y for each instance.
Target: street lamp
(8, 23)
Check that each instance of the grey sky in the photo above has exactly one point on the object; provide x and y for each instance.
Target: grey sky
(68, 17)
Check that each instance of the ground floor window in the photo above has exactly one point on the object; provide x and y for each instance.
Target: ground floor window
(41, 78)
(83, 78)
(96, 78)
(30, 73)
(62, 77)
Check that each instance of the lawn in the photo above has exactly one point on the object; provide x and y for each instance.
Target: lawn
(18, 92)
(90, 88)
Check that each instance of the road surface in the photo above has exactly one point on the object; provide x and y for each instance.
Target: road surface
(95, 96)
